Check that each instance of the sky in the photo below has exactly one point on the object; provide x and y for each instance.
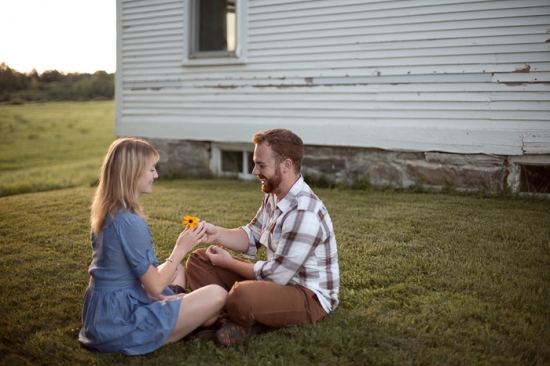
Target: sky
(63, 35)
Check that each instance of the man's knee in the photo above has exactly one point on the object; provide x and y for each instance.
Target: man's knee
(197, 259)
(241, 293)
(241, 301)
(197, 255)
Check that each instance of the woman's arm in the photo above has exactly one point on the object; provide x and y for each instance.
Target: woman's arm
(156, 279)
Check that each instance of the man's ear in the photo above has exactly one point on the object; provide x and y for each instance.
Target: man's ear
(287, 164)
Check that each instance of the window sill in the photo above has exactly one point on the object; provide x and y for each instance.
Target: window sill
(214, 61)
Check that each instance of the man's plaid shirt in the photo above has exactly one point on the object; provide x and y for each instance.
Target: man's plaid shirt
(299, 239)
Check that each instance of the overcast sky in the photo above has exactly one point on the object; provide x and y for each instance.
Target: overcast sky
(63, 35)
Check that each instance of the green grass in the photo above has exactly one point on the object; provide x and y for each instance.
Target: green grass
(48, 146)
(427, 279)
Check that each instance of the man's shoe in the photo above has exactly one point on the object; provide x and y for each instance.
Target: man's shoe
(231, 333)
(206, 334)
(177, 289)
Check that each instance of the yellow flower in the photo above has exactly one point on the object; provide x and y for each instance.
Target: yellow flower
(190, 221)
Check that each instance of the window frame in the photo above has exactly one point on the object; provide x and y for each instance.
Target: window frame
(216, 159)
(238, 56)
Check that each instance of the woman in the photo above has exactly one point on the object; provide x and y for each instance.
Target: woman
(129, 306)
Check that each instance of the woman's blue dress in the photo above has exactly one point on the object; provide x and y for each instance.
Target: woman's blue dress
(118, 315)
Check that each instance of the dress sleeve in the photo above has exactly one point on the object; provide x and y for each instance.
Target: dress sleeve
(137, 245)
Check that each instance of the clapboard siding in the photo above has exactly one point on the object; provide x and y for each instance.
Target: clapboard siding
(455, 76)
(358, 22)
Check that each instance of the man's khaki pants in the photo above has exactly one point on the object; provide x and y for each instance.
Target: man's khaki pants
(249, 302)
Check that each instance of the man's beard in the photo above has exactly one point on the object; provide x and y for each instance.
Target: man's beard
(272, 183)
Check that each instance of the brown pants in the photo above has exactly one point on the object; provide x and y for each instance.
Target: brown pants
(249, 302)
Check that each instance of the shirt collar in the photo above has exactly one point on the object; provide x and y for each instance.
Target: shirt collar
(290, 197)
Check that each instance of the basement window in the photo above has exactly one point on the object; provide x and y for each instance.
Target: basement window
(233, 160)
(535, 179)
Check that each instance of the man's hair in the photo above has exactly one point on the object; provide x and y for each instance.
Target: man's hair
(284, 143)
(123, 166)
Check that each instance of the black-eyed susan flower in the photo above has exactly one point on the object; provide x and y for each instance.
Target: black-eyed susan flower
(191, 221)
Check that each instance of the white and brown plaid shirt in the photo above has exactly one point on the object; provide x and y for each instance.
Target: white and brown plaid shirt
(299, 239)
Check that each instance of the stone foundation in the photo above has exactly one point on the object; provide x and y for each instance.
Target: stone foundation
(334, 165)
(405, 169)
(182, 159)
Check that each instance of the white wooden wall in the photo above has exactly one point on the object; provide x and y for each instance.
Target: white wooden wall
(464, 76)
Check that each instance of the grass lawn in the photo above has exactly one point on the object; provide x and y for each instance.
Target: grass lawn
(426, 278)
(46, 146)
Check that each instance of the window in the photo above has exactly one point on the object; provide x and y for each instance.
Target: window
(233, 160)
(216, 32)
(214, 28)
(535, 179)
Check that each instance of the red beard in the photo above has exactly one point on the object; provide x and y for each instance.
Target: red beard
(271, 184)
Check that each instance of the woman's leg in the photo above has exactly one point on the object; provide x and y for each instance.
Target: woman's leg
(179, 277)
(200, 307)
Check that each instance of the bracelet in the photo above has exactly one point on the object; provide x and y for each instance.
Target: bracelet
(171, 260)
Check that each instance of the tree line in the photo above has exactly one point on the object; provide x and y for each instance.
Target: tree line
(51, 85)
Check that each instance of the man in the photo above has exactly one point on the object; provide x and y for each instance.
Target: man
(300, 280)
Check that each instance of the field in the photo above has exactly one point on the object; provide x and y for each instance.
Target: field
(426, 278)
(48, 146)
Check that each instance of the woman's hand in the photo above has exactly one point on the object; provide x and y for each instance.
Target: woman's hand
(190, 238)
(161, 297)
(156, 298)
(174, 296)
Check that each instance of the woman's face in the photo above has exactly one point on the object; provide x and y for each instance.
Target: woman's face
(145, 184)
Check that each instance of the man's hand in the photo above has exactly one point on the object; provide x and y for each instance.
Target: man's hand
(222, 258)
(233, 239)
(211, 232)
(219, 256)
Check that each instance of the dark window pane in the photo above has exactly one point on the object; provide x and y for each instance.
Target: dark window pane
(232, 161)
(250, 162)
(216, 25)
(535, 179)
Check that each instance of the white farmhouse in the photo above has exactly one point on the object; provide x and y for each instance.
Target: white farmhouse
(412, 92)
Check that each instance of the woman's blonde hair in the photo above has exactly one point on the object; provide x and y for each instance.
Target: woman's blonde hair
(123, 166)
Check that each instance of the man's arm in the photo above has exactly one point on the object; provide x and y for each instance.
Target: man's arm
(234, 239)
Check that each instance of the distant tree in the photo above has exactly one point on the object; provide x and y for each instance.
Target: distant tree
(53, 85)
(11, 80)
(50, 76)
(33, 75)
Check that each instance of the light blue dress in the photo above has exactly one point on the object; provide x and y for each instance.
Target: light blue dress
(118, 314)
